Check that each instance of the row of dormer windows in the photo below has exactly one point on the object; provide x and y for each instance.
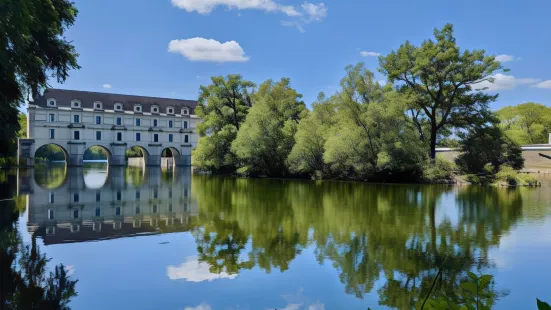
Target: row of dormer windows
(119, 107)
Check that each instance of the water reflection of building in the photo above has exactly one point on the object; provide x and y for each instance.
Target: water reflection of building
(128, 202)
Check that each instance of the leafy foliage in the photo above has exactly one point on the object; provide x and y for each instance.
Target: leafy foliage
(33, 49)
(487, 145)
(441, 80)
(268, 134)
(223, 106)
(526, 123)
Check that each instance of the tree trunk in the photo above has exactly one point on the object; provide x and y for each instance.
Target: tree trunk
(433, 143)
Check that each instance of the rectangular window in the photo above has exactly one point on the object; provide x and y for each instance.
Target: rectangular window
(185, 124)
(98, 212)
(186, 139)
(138, 136)
(169, 137)
(170, 208)
(98, 135)
(98, 196)
(155, 137)
(119, 136)
(119, 196)
(51, 214)
(170, 193)
(138, 122)
(154, 123)
(118, 211)
(51, 198)
(137, 195)
(51, 118)
(119, 121)
(75, 197)
(137, 210)
(98, 120)
(77, 135)
(75, 213)
(170, 124)
(185, 192)
(155, 193)
(76, 118)
(52, 133)
(154, 208)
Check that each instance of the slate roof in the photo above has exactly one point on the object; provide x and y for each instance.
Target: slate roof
(64, 97)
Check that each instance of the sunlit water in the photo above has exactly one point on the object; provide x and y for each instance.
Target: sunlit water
(152, 239)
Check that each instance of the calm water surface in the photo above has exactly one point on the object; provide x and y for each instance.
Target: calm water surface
(151, 239)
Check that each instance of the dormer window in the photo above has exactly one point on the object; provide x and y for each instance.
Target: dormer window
(185, 111)
(75, 104)
(118, 106)
(98, 105)
(154, 109)
(138, 108)
(169, 110)
(51, 102)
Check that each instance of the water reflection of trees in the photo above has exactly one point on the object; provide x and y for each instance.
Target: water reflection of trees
(365, 231)
(24, 280)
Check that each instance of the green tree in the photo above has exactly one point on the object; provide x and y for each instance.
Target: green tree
(527, 123)
(441, 80)
(371, 138)
(306, 157)
(22, 119)
(223, 106)
(266, 138)
(488, 145)
(32, 50)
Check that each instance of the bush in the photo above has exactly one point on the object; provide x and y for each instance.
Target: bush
(440, 171)
(486, 146)
(6, 162)
(511, 177)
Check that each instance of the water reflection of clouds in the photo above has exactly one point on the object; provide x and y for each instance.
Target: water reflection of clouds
(202, 306)
(194, 271)
(299, 302)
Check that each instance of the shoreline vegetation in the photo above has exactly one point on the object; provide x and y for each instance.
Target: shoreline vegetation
(434, 95)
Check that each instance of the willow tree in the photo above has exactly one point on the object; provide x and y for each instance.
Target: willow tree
(223, 106)
(32, 49)
(445, 83)
(267, 135)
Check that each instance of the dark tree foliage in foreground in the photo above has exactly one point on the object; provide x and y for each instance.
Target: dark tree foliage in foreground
(32, 50)
(24, 280)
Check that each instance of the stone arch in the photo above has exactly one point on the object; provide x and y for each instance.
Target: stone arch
(170, 158)
(47, 175)
(145, 156)
(106, 149)
(37, 148)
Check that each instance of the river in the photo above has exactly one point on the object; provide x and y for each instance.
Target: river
(151, 239)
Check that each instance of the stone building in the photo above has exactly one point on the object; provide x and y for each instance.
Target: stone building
(76, 120)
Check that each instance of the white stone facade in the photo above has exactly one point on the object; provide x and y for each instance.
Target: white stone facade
(154, 124)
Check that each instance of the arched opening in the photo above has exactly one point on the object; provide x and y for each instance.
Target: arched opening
(95, 170)
(51, 166)
(169, 158)
(136, 158)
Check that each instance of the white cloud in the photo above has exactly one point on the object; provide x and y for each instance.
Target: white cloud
(300, 15)
(202, 306)
(107, 86)
(194, 271)
(315, 12)
(506, 58)
(293, 23)
(503, 82)
(206, 6)
(372, 54)
(292, 307)
(317, 306)
(201, 49)
(544, 84)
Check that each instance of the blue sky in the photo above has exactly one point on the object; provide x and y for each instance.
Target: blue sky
(124, 45)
